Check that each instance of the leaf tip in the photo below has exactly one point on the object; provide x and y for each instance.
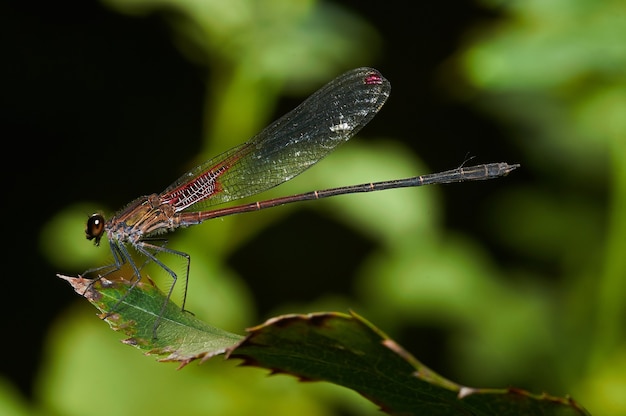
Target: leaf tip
(82, 286)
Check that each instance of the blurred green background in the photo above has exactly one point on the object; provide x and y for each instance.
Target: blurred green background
(515, 282)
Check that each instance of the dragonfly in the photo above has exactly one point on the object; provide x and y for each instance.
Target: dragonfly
(284, 149)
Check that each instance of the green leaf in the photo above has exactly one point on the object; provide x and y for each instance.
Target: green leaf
(349, 351)
(180, 336)
(343, 349)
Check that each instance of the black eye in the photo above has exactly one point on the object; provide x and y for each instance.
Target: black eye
(95, 227)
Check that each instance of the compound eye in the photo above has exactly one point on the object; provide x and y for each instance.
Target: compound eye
(95, 228)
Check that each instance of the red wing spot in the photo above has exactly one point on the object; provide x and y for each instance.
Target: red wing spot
(373, 78)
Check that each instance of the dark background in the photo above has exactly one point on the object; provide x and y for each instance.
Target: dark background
(81, 90)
